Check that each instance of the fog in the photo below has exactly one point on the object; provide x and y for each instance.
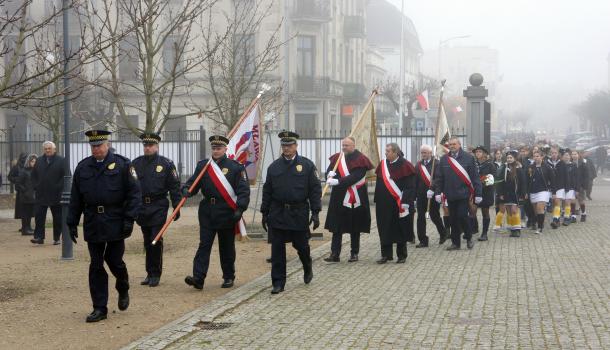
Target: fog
(553, 53)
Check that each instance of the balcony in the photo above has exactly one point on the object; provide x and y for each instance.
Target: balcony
(354, 93)
(320, 87)
(311, 11)
(353, 27)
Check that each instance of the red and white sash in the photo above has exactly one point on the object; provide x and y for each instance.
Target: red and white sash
(391, 186)
(459, 170)
(228, 194)
(425, 174)
(351, 199)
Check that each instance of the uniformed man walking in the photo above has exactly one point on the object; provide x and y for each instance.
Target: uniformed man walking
(157, 176)
(292, 189)
(105, 189)
(226, 195)
(348, 208)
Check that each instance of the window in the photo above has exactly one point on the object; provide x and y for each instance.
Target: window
(334, 58)
(129, 67)
(305, 56)
(172, 52)
(245, 54)
(305, 124)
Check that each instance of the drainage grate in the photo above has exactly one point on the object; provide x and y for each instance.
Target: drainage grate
(213, 326)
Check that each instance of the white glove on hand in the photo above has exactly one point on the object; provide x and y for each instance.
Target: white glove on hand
(405, 207)
(430, 194)
(331, 174)
(438, 198)
(332, 182)
(478, 200)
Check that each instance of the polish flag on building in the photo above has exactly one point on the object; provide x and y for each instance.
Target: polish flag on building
(422, 99)
(244, 145)
(457, 109)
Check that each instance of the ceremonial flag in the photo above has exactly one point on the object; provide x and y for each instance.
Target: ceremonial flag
(245, 145)
(442, 133)
(422, 99)
(365, 134)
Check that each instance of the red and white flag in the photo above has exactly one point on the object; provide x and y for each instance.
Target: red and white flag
(457, 109)
(228, 194)
(352, 198)
(245, 145)
(423, 101)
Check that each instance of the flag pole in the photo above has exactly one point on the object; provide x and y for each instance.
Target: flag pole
(373, 94)
(202, 172)
(438, 118)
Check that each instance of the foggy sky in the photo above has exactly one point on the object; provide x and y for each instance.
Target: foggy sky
(557, 49)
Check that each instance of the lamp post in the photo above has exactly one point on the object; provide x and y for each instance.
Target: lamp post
(66, 246)
(440, 46)
(402, 66)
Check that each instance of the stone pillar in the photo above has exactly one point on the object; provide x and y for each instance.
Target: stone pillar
(476, 112)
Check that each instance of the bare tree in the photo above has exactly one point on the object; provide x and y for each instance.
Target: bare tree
(237, 68)
(146, 71)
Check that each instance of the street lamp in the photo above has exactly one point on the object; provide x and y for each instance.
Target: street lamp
(402, 66)
(440, 45)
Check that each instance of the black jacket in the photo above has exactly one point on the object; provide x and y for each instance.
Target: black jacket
(157, 176)
(572, 180)
(540, 178)
(25, 186)
(108, 194)
(421, 188)
(48, 177)
(512, 187)
(450, 184)
(582, 175)
(292, 188)
(559, 175)
(214, 212)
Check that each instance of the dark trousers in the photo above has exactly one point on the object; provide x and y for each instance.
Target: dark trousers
(401, 250)
(226, 250)
(422, 206)
(335, 245)
(300, 242)
(112, 254)
(154, 253)
(458, 215)
(41, 218)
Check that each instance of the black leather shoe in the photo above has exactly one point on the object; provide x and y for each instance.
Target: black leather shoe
(453, 247)
(191, 281)
(227, 283)
(277, 289)
(383, 260)
(96, 316)
(268, 260)
(154, 281)
(401, 260)
(353, 258)
(566, 222)
(469, 243)
(145, 282)
(332, 259)
(443, 239)
(123, 303)
(483, 237)
(421, 245)
(307, 273)
(555, 224)
(514, 233)
(37, 241)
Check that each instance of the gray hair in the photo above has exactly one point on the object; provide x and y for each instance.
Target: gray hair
(49, 143)
(456, 139)
(425, 148)
(351, 139)
(394, 146)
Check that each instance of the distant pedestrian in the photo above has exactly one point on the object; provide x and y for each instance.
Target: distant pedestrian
(13, 175)
(601, 155)
(590, 164)
(48, 176)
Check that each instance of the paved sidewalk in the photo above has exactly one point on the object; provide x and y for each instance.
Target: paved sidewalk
(535, 292)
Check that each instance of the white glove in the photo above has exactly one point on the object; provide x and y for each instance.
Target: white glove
(478, 200)
(332, 182)
(430, 194)
(405, 207)
(438, 198)
(331, 174)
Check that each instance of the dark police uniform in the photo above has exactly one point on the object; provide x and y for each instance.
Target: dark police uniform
(291, 190)
(108, 194)
(217, 217)
(157, 176)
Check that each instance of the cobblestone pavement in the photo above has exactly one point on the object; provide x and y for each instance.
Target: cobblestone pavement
(535, 292)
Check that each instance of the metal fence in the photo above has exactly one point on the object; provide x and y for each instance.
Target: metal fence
(187, 147)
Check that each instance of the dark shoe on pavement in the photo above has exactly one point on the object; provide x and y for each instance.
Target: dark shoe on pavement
(123, 303)
(145, 282)
(29, 232)
(353, 258)
(154, 281)
(555, 224)
(96, 315)
(307, 273)
(332, 259)
(453, 247)
(422, 245)
(269, 260)
(513, 233)
(443, 239)
(37, 241)
(583, 218)
(483, 237)
(383, 260)
(401, 260)
(227, 283)
(566, 222)
(469, 244)
(277, 289)
(192, 281)
(56, 243)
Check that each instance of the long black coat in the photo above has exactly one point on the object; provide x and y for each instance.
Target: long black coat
(219, 216)
(157, 176)
(291, 190)
(12, 178)
(341, 219)
(512, 187)
(392, 228)
(486, 168)
(48, 176)
(448, 182)
(108, 194)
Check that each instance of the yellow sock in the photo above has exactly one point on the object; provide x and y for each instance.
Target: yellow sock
(567, 212)
(499, 218)
(556, 211)
(517, 220)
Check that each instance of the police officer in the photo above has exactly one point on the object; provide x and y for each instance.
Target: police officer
(157, 176)
(220, 211)
(105, 189)
(291, 190)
